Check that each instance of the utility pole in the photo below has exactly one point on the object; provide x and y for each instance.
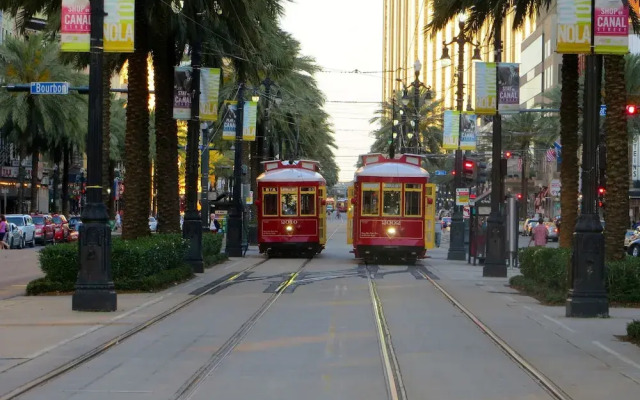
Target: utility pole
(204, 179)
(234, 233)
(267, 127)
(94, 289)
(392, 139)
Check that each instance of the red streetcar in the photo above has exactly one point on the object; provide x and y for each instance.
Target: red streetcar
(393, 212)
(291, 208)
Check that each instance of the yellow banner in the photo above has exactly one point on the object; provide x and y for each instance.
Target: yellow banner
(486, 88)
(118, 26)
(209, 92)
(250, 120)
(574, 26)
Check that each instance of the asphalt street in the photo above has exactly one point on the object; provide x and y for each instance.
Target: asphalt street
(325, 328)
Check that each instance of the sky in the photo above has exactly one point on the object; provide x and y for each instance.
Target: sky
(343, 35)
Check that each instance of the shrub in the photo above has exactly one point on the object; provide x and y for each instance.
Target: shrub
(633, 331)
(60, 262)
(623, 280)
(211, 246)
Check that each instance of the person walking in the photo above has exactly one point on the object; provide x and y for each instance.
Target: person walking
(3, 232)
(118, 224)
(539, 234)
(438, 231)
(214, 225)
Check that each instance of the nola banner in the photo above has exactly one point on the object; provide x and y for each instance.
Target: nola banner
(118, 28)
(574, 26)
(611, 28)
(468, 131)
(508, 87)
(209, 92)
(182, 79)
(486, 95)
(248, 121)
(451, 129)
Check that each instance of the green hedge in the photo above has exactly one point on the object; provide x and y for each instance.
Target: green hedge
(545, 275)
(143, 264)
(633, 331)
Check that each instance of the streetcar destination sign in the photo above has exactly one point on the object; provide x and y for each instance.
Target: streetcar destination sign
(49, 88)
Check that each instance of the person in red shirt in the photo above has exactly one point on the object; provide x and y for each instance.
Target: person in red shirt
(539, 234)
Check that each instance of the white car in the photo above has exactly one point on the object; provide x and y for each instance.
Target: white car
(15, 237)
(26, 225)
(153, 224)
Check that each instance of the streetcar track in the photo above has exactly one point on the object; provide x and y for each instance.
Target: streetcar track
(96, 351)
(540, 378)
(191, 386)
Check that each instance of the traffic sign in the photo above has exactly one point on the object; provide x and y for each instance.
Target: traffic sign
(462, 196)
(556, 186)
(603, 110)
(49, 88)
(440, 172)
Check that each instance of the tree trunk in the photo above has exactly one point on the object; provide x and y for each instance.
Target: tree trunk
(35, 158)
(569, 140)
(137, 179)
(168, 199)
(65, 179)
(617, 173)
(106, 128)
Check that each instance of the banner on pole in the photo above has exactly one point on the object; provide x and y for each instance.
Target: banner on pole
(118, 27)
(209, 92)
(182, 79)
(611, 28)
(486, 95)
(508, 87)
(229, 122)
(75, 25)
(574, 26)
(249, 121)
(450, 129)
(468, 131)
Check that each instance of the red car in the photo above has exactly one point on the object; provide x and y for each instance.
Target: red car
(45, 228)
(61, 228)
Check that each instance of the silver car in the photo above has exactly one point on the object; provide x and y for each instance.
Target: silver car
(15, 237)
(25, 224)
(553, 232)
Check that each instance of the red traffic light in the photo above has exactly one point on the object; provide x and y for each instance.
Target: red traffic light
(519, 196)
(468, 164)
(631, 109)
(507, 154)
(601, 191)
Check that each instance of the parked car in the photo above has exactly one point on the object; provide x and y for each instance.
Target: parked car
(25, 223)
(153, 224)
(45, 228)
(15, 238)
(75, 222)
(629, 236)
(553, 231)
(61, 232)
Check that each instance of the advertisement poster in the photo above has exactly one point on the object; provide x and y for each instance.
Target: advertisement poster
(574, 26)
(118, 26)
(182, 78)
(209, 91)
(468, 130)
(611, 28)
(508, 87)
(451, 129)
(75, 25)
(486, 95)
(249, 121)
(229, 123)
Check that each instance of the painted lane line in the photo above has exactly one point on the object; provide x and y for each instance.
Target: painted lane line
(559, 323)
(616, 354)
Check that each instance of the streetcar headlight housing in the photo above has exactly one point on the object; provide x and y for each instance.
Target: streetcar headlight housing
(289, 228)
(391, 231)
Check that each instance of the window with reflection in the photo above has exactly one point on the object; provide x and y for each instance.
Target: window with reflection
(308, 200)
(392, 194)
(370, 199)
(412, 199)
(270, 202)
(289, 200)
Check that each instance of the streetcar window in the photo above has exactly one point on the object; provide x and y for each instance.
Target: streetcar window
(370, 199)
(270, 201)
(307, 201)
(391, 198)
(289, 200)
(412, 199)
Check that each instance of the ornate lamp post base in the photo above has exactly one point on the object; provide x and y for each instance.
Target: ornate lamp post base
(234, 235)
(94, 289)
(192, 231)
(495, 265)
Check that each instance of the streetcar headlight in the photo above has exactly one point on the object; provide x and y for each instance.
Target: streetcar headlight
(391, 231)
(289, 228)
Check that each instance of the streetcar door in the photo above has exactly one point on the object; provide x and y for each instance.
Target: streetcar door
(349, 215)
(429, 215)
(322, 215)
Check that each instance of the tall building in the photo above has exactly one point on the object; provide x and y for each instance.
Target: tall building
(404, 42)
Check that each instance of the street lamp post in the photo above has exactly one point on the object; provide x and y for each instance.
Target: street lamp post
(394, 122)
(267, 128)
(234, 233)
(94, 289)
(204, 179)
(456, 248)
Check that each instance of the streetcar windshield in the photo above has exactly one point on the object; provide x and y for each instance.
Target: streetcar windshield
(308, 201)
(412, 196)
(270, 201)
(289, 200)
(391, 198)
(370, 199)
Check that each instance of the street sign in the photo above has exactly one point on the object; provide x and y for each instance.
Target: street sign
(49, 88)
(603, 110)
(555, 188)
(462, 196)
(440, 172)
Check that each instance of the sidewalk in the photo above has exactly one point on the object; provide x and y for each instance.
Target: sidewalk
(41, 333)
(584, 356)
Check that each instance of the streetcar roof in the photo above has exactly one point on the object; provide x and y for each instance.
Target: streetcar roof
(406, 166)
(298, 171)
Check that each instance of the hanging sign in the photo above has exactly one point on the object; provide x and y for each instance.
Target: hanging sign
(450, 130)
(486, 95)
(249, 121)
(574, 26)
(508, 87)
(468, 131)
(182, 78)
(611, 28)
(229, 122)
(75, 25)
(209, 92)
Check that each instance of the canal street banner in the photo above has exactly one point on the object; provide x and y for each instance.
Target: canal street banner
(250, 114)
(75, 26)
(508, 87)
(611, 27)
(209, 93)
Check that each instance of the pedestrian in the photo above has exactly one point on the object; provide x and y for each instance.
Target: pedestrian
(337, 214)
(539, 234)
(118, 222)
(3, 232)
(438, 230)
(214, 226)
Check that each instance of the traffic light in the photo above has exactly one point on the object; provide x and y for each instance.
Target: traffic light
(507, 154)
(519, 196)
(469, 169)
(601, 192)
(632, 109)
(481, 169)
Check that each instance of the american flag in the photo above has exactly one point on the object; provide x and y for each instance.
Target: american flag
(551, 155)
